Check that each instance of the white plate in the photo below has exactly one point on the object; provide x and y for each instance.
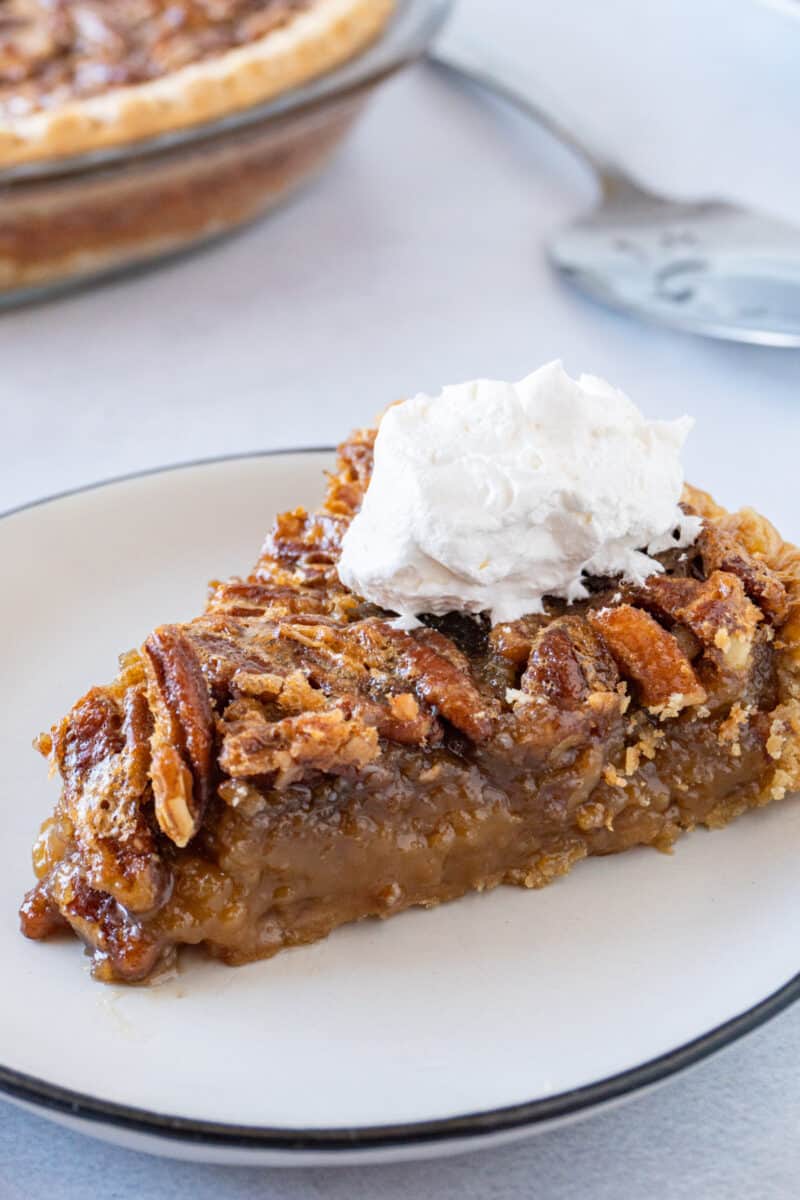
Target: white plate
(429, 1033)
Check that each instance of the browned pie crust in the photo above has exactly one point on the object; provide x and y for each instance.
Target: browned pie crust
(76, 75)
(288, 761)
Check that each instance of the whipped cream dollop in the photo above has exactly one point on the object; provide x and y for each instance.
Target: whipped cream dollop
(492, 495)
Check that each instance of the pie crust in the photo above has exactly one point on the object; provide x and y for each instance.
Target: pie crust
(320, 36)
(289, 761)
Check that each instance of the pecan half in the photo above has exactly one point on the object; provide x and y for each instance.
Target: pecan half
(440, 674)
(568, 661)
(103, 753)
(240, 598)
(649, 655)
(183, 737)
(175, 808)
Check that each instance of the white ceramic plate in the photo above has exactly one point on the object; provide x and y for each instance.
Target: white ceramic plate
(429, 1033)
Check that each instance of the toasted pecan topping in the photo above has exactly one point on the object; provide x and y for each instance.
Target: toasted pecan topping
(137, 725)
(303, 539)
(649, 655)
(664, 595)
(292, 693)
(92, 733)
(253, 745)
(513, 640)
(184, 733)
(568, 661)
(722, 551)
(246, 599)
(347, 485)
(51, 52)
(715, 610)
(402, 719)
(316, 663)
(440, 674)
(103, 752)
(399, 718)
(172, 792)
(720, 615)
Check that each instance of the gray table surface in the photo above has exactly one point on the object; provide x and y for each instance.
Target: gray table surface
(417, 260)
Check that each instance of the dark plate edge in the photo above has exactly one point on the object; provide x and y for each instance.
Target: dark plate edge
(54, 1099)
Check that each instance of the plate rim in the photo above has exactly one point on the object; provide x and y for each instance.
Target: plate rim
(295, 1141)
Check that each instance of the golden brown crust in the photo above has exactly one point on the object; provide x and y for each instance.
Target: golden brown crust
(313, 42)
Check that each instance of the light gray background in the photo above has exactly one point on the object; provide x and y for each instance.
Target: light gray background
(418, 260)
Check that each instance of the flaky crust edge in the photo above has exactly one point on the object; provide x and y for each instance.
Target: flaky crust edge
(761, 539)
(313, 42)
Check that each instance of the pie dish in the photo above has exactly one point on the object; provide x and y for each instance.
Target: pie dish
(132, 129)
(289, 761)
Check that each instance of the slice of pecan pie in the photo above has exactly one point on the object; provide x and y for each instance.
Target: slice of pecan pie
(290, 761)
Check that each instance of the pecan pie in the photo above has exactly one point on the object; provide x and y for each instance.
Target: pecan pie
(83, 75)
(290, 761)
(79, 74)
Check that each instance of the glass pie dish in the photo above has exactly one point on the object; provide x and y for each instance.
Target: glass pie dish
(69, 220)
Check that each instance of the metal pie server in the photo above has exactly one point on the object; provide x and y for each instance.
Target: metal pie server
(703, 267)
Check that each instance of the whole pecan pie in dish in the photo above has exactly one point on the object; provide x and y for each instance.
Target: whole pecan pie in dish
(79, 74)
(132, 129)
(291, 760)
